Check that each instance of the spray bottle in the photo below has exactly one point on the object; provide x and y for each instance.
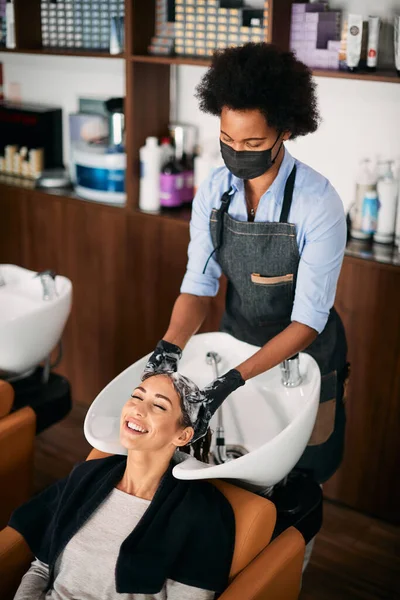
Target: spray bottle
(365, 182)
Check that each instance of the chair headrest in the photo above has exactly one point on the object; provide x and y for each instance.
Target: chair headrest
(6, 398)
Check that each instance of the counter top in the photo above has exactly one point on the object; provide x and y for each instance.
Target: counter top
(367, 250)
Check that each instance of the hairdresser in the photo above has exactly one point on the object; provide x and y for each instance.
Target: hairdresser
(276, 229)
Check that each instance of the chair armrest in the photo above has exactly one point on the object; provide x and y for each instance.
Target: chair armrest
(275, 574)
(15, 558)
(94, 454)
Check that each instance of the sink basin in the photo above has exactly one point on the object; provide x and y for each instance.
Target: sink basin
(273, 422)
(30, 326)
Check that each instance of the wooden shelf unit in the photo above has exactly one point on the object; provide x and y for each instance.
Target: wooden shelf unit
(147, 76)
(65, 52)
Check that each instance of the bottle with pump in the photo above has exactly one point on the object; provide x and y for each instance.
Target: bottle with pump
(365, 182)
(397, 227)
(150, 168)
(167, 150)
(207, 159)
(387, 193)
(185, 159)
(172, 179)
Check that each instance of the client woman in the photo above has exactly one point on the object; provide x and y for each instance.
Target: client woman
(122, 526)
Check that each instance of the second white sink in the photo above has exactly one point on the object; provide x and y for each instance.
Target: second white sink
(30, 326)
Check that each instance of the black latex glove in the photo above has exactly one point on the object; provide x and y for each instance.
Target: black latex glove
(214, 395)
(166, 356)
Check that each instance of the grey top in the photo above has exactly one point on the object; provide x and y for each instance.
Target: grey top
(86, 567)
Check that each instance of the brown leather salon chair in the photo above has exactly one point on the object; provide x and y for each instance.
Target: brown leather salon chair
(260, 570)
(17, 435)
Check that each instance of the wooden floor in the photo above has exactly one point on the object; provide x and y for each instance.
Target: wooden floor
(355, 557)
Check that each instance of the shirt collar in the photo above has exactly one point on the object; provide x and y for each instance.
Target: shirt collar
(276, 189)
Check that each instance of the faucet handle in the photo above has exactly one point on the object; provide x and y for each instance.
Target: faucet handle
(290, 369)
(48, 280)
(48, 272)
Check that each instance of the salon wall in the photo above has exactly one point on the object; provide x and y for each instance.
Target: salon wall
(60, 80)
(359, 119)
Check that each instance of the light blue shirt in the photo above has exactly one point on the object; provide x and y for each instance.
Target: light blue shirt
(317, 211)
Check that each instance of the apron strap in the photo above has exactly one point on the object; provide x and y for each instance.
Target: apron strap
(225, 202)
(288, 196)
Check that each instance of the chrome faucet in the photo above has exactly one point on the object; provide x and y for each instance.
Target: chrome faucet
(290, 370)
(223, 452)
(48, 281)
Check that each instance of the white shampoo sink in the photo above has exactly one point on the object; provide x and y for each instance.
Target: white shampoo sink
(30, 326)
(273, 422)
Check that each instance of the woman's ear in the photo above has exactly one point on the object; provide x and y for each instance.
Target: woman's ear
(184, 437)
(286, 136)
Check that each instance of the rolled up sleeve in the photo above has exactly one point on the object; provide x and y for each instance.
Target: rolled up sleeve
(320, 262)
(201, 247)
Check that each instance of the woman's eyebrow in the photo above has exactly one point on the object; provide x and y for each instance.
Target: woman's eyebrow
(142, 389)
(164, 398)
(254, 138)
(259, 139)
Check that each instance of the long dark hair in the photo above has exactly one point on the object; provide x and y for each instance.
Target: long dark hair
(199, 449)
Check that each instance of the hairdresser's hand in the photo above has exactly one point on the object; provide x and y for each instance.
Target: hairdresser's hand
(166, 357)
(216, 392)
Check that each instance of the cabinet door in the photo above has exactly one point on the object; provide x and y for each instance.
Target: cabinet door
(43, 242)
(12, 209)
(157, 256)
(93, 257)
(368, 300)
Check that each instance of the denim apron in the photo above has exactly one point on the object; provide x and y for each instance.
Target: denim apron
(260, 261)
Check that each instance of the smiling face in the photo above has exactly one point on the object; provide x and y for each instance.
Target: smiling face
(151, 418)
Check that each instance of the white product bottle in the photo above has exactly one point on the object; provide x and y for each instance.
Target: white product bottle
(205, 162)
(365, 182)
(387, 193)
(397, 228)
(397, 231)
(167, 150)
(150, 169)
(10, 25)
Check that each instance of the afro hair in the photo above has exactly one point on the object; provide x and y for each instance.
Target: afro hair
(261, 76)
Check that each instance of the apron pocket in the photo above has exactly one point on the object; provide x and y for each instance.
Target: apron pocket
(258, 279)
(270, 299)
(325, 421)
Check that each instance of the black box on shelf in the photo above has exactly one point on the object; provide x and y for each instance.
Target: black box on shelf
(33, 126)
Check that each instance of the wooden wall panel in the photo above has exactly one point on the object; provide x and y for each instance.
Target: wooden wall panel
(12, 208)
(368, 300)
(42, 235)
(94, 260)
(127, 267)
(156, 265)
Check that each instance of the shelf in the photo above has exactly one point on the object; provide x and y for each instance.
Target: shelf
(384, 76)
(64, 52)
(181, 214)
(389, 76)
(172, 60)
(67, 195)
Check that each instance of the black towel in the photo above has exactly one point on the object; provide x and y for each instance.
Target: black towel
(187, 533)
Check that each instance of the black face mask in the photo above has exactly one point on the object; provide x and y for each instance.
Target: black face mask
(248, 164)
